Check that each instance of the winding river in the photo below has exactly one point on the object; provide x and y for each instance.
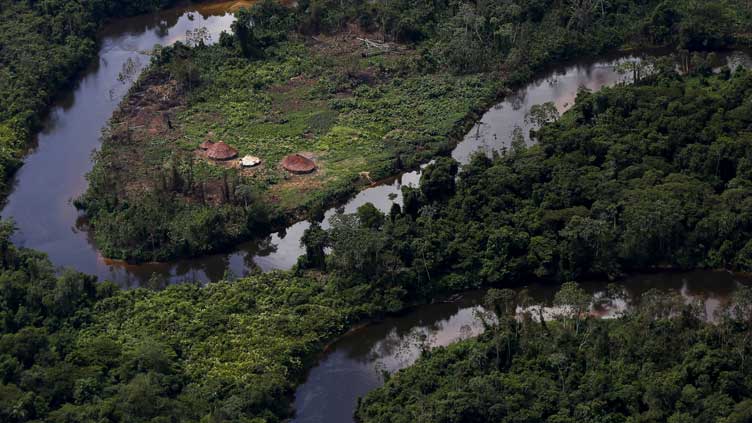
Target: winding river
(354, 365)
(54, 174)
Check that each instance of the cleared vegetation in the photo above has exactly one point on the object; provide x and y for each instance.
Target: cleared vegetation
(43, 46)
(366, 90)
(650, 175)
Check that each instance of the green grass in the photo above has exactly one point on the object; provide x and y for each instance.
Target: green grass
(354, 115)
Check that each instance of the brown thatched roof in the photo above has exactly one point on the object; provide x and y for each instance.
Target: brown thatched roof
(221, 151)
(296, 163)
(206, 144)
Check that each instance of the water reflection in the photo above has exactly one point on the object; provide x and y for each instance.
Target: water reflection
(491, 133)
(353, 366)
(53, 173)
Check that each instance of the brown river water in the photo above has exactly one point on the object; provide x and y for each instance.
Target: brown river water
(53, 175)
(354, 365)
(54, 172)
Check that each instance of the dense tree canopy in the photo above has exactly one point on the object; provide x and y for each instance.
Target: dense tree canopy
(641, 176)
(272, 88)
(647, 366)
(654, 174)
(75, 350)
(43, 45)
(469, 36)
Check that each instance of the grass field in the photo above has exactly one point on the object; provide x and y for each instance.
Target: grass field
(361, 115)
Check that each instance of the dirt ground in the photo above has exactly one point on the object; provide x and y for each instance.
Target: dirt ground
(148, 116)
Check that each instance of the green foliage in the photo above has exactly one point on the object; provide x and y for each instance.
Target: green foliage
(639, 367)
(357, 246)
(43, 46)
(473, 36)
(158, 227)
(437, 181)
(315, 240)
(270, 91)
(260, 27)
(73, 349)
(295, 100)
(635, 177)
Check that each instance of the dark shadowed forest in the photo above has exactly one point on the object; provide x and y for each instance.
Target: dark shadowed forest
(653, 175)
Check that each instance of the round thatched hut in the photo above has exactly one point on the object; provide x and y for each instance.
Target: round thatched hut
(206, 144)
(299, 164)
(221, 151)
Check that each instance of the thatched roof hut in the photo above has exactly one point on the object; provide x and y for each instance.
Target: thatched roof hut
(297, 163)
(206, 144)
(221, 151)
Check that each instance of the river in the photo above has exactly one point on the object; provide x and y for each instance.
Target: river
(54, 173)
(354, 365)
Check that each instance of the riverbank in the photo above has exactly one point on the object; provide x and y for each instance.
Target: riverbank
(229, 350)
(281, 250)
(358, 363)
(591, 198)
(472, 238)
(68, 135)
(578, 368)
(360, 108)
(374, 124)
(54, 171)
(45, 48)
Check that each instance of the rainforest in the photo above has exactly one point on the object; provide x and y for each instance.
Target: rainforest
(553, 253)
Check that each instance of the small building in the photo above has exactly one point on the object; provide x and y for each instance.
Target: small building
(250, 161)
(206, 144)
(221, 151)
(299, 164)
